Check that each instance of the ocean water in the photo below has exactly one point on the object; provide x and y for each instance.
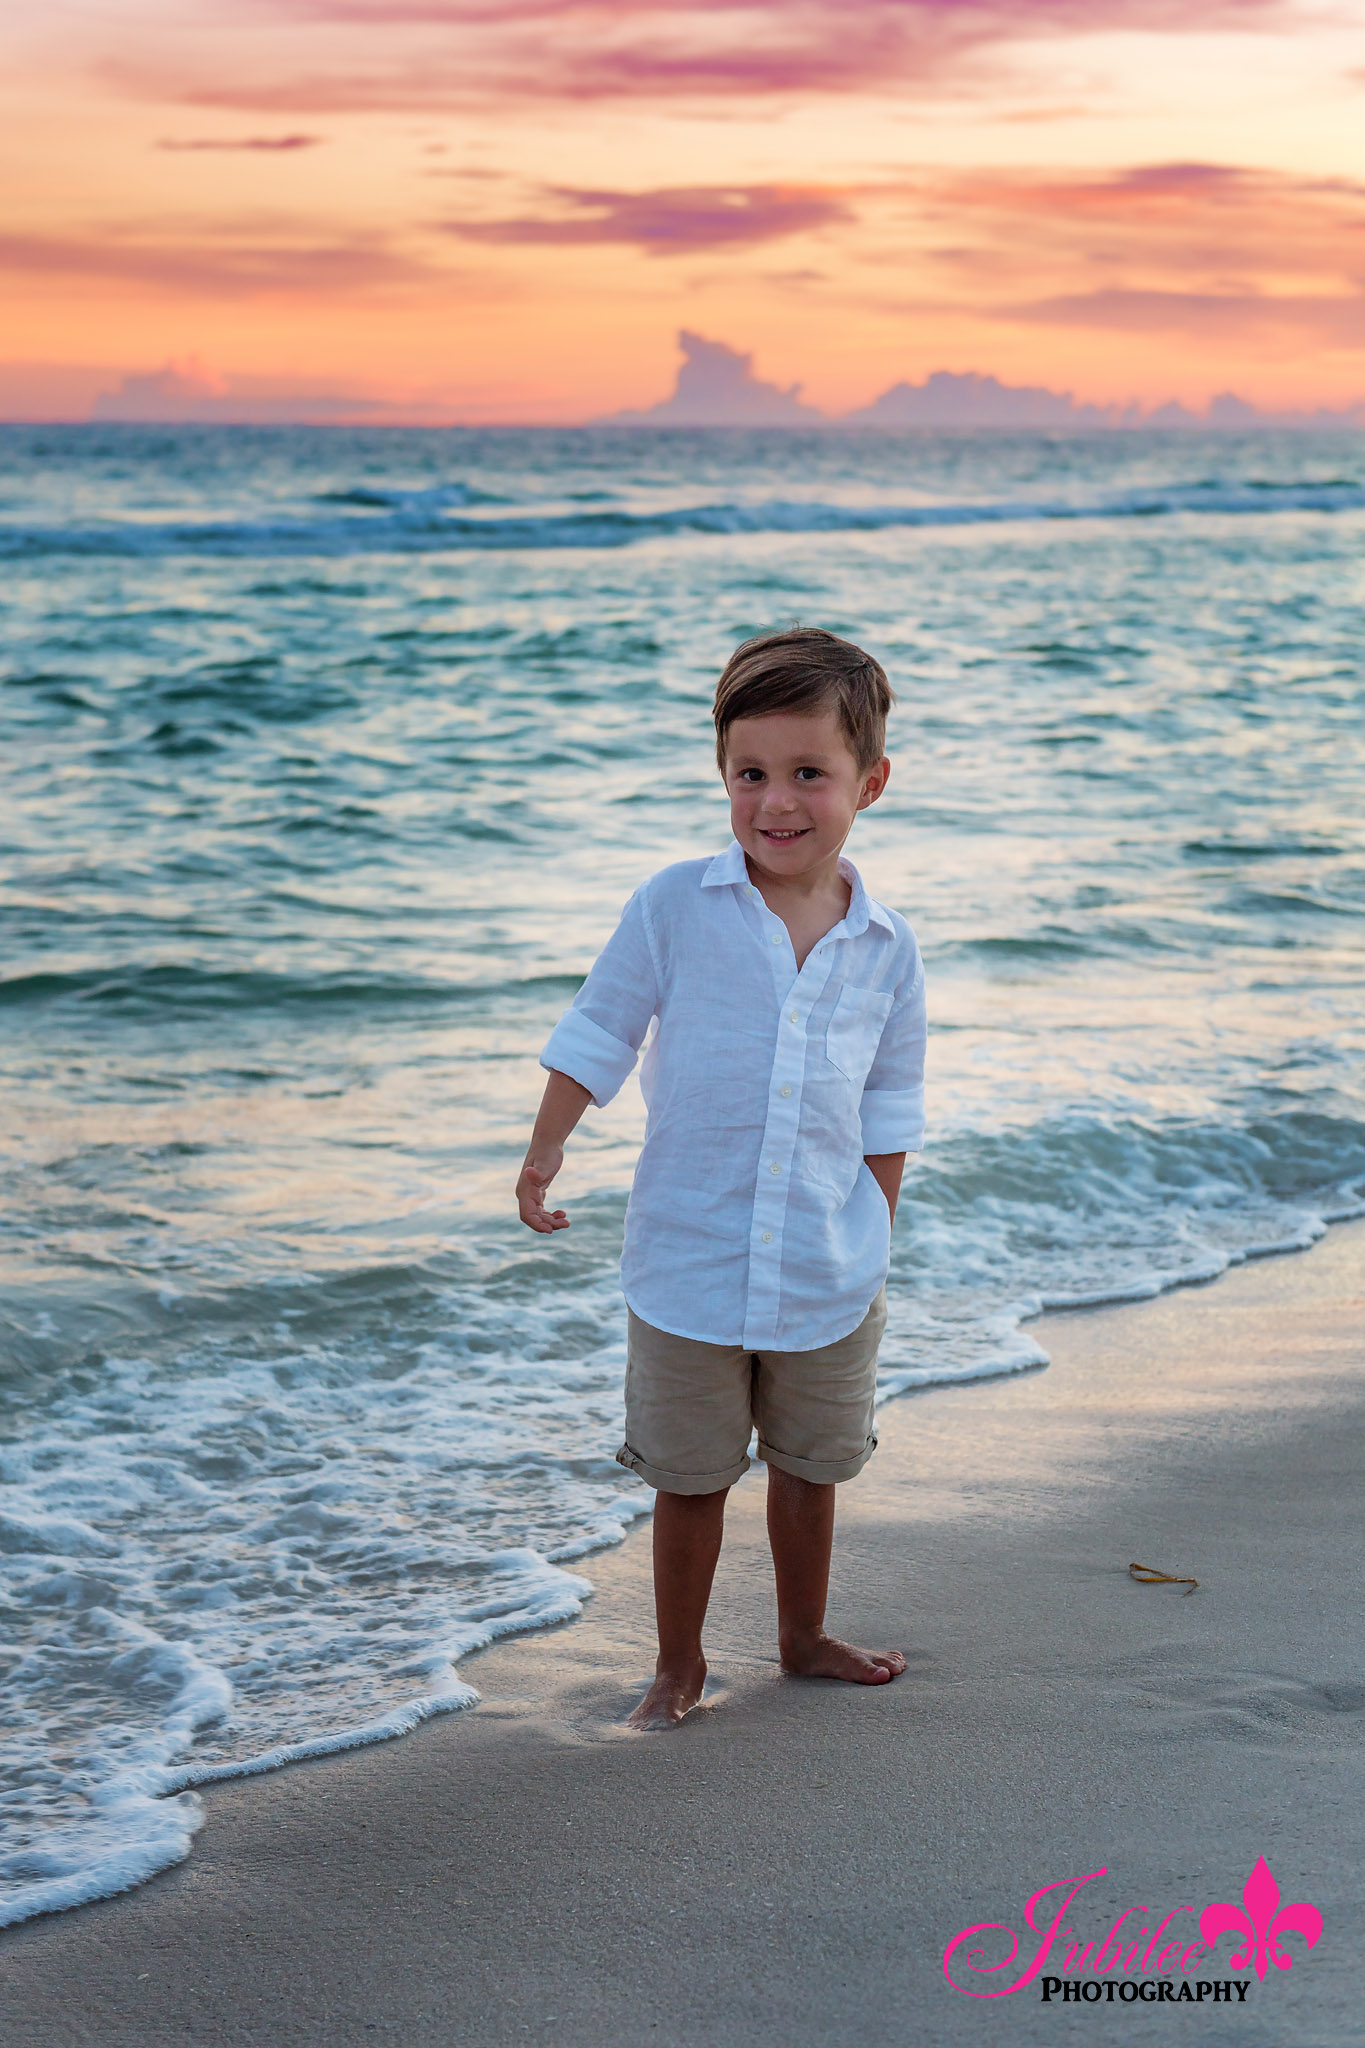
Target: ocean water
(328, 760)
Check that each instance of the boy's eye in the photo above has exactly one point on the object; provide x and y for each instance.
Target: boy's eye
(745, 773)
(808, 771)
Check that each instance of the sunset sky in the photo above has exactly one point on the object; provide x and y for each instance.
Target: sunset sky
(505, 209)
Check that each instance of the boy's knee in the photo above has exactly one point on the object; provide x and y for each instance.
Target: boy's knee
(795, 1482)
(702, 1503)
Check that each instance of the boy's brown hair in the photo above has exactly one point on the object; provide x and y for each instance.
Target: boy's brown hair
(806, 669)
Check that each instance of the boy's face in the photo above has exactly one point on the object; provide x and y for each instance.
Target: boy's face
(795, 788)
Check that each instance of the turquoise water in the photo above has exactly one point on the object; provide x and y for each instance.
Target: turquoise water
(328, 760)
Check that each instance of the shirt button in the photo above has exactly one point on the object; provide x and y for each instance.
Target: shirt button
(767, 1237)
(777, 938)
(787, 1089)
(774, 1168)
(793, 1016)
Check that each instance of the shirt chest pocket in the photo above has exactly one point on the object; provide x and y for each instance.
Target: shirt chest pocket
(855, 1029)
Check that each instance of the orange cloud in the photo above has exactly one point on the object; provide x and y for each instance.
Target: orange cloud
(1336, 321)
(247, 142)
(232, 270)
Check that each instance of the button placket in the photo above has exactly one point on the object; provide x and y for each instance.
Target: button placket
(770, 1199)
(781, 1132)
(779, 1141)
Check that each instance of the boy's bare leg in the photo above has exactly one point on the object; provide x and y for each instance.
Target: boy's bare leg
(801, 1532)
(687, 1533)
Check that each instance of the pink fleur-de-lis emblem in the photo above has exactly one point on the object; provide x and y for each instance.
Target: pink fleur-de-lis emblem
(1264, 1920)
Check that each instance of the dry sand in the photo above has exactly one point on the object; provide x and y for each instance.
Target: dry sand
(787, 1868)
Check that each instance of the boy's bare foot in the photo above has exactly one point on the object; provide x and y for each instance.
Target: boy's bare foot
(672, 1695)
(820, 1656)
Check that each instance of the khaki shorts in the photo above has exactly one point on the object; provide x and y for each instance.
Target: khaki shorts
(691, 1407)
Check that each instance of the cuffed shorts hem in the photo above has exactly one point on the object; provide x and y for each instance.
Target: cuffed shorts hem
(680, 1482)
(812, 1469)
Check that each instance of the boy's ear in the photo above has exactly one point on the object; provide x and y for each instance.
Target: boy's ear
(874, 782)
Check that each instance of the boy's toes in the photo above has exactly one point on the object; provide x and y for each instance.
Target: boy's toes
(875, 1667)
(822, 1656)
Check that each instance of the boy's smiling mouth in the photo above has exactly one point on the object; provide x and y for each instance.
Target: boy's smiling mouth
(794, 832)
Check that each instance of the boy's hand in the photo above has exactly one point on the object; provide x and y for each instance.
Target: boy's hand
(563, 1104)
(886, 1169)
(534, 1179)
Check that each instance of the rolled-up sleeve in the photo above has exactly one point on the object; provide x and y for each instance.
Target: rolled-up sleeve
(597, 1040)
(893, 1096)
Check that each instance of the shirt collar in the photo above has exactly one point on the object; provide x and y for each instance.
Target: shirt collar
(862, 910)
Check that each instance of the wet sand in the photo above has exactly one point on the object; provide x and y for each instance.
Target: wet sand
(788, 1867)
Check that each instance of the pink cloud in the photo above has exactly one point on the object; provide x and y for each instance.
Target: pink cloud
(1156, 192)
(671, 221)
(187, 389)
(589, 49)
(1215, 233)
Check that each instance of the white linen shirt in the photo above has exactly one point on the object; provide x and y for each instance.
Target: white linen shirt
(753, 1217)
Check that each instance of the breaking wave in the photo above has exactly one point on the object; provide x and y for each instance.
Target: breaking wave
(430, 521)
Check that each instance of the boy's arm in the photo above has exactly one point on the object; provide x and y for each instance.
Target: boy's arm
(562, 1104)
(893, 1094)
(887, 1168)
(589, 1053)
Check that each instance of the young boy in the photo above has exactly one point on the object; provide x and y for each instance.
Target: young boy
(784, 1084)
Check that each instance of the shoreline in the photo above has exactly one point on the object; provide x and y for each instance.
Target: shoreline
(566, 1604)
(1209, 1425)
